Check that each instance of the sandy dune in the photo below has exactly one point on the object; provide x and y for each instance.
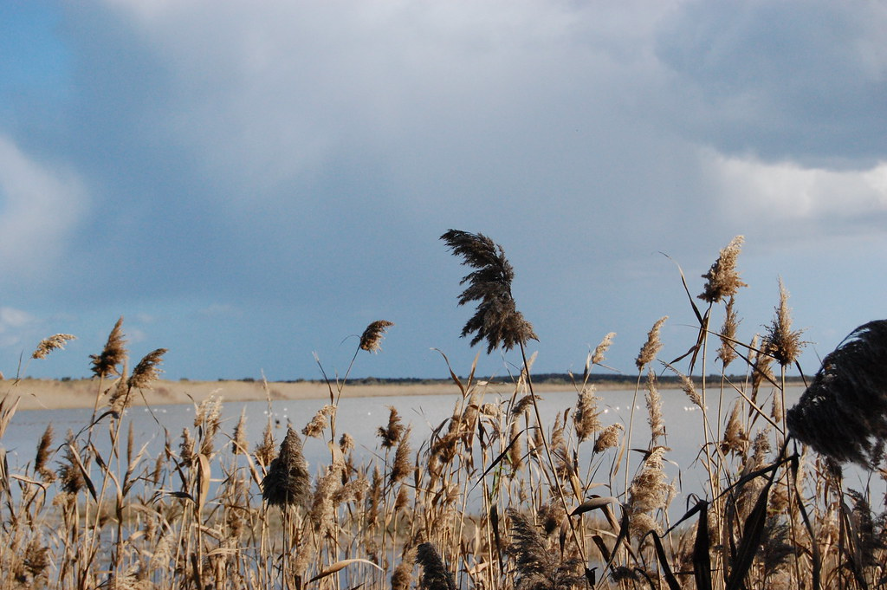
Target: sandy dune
(52, 394)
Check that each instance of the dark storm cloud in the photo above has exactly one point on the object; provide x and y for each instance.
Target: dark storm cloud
(800, 81)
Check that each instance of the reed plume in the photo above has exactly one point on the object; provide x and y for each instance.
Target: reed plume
(649, 492)
(515, 452)
(434, 574)
(265, 452)
(608, 438)
(402, 576)
(319, 422)
(371, 339)
(586, 416)
(187, 448)
(726, 352)
(50, 344)
(843, 413)
(70, 475)
(120, 396)
(322, 512)
(391, 434)
(781, 342)
(537, 566)
(654, 409)
(239, 444)
(146, 371)
(346, 442)
(735, 438)
(496, 319)
(402, 467)
(648, 352)
(36, 561)
(43, 454)
(105, 363)
(598, 355)
(287, 482)
(722, 279)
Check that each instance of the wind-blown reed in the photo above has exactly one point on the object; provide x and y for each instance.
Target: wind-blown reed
(491, 497)
(496, 319)
(843, 413)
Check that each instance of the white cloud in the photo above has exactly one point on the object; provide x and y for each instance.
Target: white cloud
(752, 189)
(262, 97)
(41, 208)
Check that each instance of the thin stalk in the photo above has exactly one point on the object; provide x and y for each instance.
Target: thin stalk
(634, 401)
(551, 465)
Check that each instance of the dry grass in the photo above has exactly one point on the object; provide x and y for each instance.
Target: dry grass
(491, 498)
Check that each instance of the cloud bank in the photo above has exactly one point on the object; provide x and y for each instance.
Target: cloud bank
(275, 177)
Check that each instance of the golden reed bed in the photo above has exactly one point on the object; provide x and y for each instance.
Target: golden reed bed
(491, 498)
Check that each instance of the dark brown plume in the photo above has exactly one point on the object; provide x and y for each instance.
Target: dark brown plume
(497, 319)
(843, 414)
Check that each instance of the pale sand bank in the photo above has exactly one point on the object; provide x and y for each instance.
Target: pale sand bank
(52, 394)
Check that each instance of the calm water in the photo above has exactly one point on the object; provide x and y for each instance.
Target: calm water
(361, 417)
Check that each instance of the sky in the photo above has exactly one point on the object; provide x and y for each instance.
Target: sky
(251, 184)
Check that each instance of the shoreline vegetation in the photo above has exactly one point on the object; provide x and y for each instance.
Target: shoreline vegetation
(493, 497)
(54, 394)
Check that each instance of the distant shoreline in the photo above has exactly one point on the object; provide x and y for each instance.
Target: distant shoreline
(37, 394)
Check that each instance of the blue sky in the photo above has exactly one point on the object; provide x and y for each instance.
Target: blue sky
(251, 183)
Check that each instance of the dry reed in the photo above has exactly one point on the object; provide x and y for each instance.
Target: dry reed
(489, 498)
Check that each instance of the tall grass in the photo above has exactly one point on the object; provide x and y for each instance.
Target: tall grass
(491, 497)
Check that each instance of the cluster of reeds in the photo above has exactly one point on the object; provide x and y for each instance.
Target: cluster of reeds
(491, 497)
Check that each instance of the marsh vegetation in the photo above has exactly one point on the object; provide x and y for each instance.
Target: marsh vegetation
(492, 497)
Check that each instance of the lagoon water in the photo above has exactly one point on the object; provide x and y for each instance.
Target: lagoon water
(361, 418)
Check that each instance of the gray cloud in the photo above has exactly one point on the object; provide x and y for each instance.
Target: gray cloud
(294, 165)
(801, 81)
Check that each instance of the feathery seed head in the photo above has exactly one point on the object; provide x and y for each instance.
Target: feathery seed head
(112, 355)
(346, 442)
(187, 451)
(402, 576)
(537, 565)
(689, 389)
(727, 352)
(265, 452)
(781, 342)
(652, 346)
(287, 482)
(735, 437)
(319, 422)
(585, 417)
(391, 434)
(43, 454)
(654, 409)
(608, 438)
(371, 339)
(497, 319)
(239, 444)
(434, 574)
(70, 475)
(722, 280)
(120, 396)
(402, 467)
(598, 355)
(49, 344)
(843, 413)
(515, 452)
(147, 371)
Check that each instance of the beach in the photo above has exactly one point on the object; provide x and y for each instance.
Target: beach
(35, 394)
